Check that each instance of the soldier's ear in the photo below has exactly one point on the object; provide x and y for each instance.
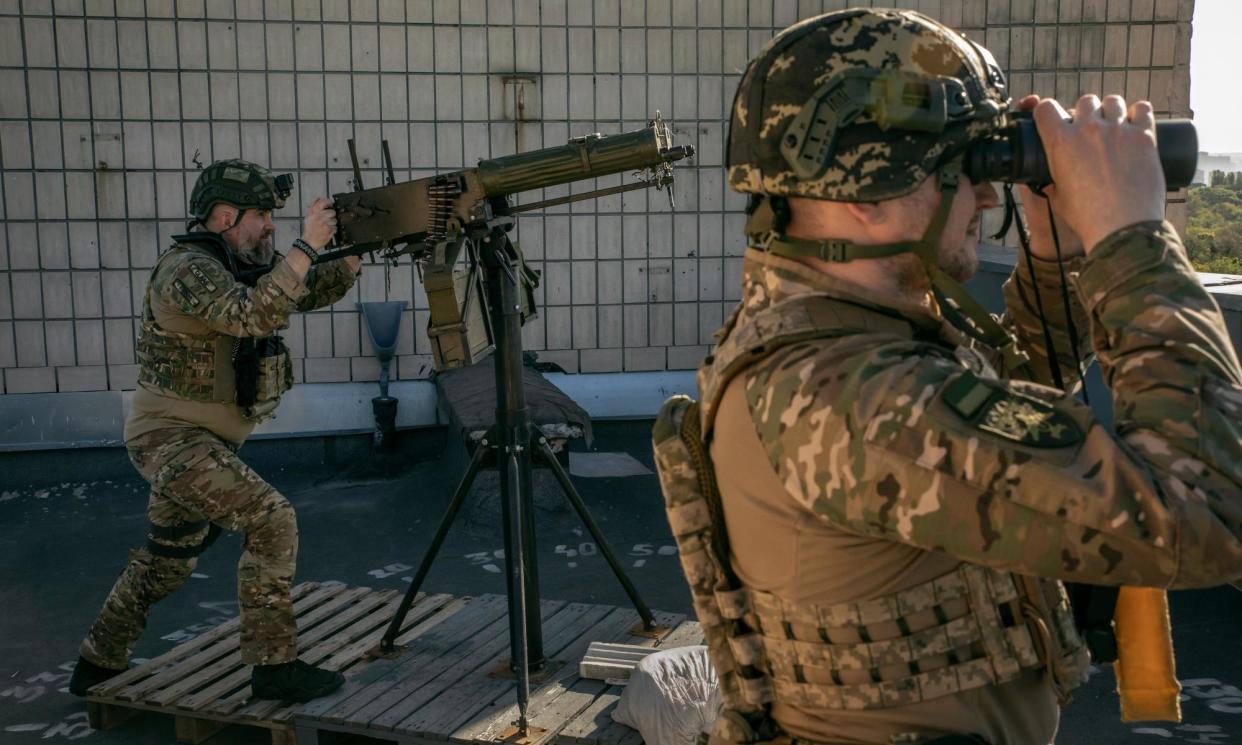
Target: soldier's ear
(869, 213)
(222, 217)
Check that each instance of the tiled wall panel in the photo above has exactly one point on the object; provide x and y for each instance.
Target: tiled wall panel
(107, 106)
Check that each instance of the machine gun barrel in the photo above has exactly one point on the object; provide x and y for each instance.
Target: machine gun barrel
(582, 157)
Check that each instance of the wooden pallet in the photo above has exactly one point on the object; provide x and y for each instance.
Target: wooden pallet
(205, 687)
(444, 685)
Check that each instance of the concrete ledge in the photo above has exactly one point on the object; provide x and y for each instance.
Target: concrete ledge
(54, 421)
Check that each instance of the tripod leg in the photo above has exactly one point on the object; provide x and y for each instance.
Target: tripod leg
(515, 563)
(459, 496)
(580, 507)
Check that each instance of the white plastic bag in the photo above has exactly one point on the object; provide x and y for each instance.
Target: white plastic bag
(671, 697)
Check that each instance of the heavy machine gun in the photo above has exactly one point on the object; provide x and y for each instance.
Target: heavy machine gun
(467, 215)
(434, 219)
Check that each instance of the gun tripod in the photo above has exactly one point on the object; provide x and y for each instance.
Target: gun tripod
(514, 441)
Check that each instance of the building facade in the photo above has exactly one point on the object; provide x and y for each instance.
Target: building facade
(107, 108)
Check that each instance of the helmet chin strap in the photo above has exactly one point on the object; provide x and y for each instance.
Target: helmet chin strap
(959, 308)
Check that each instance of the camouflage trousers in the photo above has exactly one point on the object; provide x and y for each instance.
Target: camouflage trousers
(195, 476)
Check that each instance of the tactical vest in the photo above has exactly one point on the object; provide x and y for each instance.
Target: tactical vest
(989, 625)
(218, 368)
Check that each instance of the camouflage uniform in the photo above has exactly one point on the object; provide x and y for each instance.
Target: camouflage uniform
(893, 490)
(183, 433)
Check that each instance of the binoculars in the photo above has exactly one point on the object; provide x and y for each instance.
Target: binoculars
(1016, 154)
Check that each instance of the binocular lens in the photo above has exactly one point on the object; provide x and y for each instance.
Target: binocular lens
(1017, 155)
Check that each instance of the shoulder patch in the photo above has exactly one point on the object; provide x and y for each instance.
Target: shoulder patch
(202, 277)
(186, 293)
(989, 406)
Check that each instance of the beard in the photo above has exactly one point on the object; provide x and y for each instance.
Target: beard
(258, 253)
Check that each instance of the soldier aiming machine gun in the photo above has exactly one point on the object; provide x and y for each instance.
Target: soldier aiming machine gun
(434, 219)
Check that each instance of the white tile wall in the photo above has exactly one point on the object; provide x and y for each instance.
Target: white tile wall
(105, 106)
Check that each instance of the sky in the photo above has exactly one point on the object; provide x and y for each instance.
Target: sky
(1214, 62)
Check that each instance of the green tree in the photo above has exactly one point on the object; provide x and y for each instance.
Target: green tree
(1214, 225)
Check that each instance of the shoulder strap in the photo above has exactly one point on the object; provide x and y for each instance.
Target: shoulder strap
(801, 318)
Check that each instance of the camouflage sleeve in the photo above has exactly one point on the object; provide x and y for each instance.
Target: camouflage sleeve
(327, 283)
(895, 439)
(1024, 293)
(201, 287)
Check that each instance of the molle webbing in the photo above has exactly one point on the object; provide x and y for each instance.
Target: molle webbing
(179, 364)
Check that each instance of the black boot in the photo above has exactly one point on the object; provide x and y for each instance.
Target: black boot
(295, 681)
(87, 675)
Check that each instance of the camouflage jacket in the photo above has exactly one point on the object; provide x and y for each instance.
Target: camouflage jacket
(198, 285)
(908, 436)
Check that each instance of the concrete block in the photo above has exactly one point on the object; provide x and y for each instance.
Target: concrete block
(608, 96)
(1119, 10)
(195, 99)
(87, 296)
(449, 146)
(192, 45)
(1045, 51)
(558, 327)
(74, 89)
(8, 354)
(585, 327)
(145, 243)
(71, 42)
(27, 295)
(30, 380)
(15, 144)
(610, 326)
(345, 334)
(119, 340)
(634, 325)
(92, 378)
(1094, 10)
(83, 247)
(1166, 10)
(711, 318)
(364, 369)
(687, 357)
(101, 38)
(138, 279)
(645, 359)
(165, 97)
(1140, 46)
(44, 89)
(250, 45)
(140, 193)
(59, 335)
(527, 45)
(583, 278)
(122, 377)
(222, 49)
(660, 324)
(364, 48)
(635, 237)
(660, 280)
(13, 94)
(1163, 45)
(135, 95)
(224, 95)
(6, 299)
(556, 282)
(132, 44)
(414, 367)
(88, 338)
(50, 194)
(634, 104)
(57, 295)
(279, 38)
(116, 293)
(447, 52)
(599, 360)
(1138, 85)
(318, 334)
(391, 11)
(553, 54)
(29, 341)
(40, 42)
(19, 199)
(712, 103)
(23, 246)
(53, 245)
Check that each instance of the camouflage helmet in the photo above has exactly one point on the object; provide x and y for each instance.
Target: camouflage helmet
(859, 105)
(241, 184)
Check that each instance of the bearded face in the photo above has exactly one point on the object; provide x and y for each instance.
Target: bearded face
(252, 238)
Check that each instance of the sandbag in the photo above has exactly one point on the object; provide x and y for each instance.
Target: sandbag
(671, 697)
